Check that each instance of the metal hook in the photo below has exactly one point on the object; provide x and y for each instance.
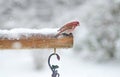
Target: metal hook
(54, 67)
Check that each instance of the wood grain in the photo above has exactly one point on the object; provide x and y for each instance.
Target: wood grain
(36, 41)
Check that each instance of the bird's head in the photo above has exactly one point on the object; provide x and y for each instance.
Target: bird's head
(75, 23)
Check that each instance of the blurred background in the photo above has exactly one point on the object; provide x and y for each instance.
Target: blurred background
(96, 51)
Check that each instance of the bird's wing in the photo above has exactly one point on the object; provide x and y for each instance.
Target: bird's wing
(65, 27)
(61, 28)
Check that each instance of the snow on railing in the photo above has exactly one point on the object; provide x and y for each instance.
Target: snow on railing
(33, 38)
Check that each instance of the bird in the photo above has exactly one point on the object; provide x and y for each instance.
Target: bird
(68, 28)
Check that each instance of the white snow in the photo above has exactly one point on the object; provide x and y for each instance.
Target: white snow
(17, 32)
(20, 64)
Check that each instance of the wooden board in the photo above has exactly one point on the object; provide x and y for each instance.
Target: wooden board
(37, 41)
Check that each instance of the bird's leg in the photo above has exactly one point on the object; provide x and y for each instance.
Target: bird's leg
(70, 34)
(65, 34)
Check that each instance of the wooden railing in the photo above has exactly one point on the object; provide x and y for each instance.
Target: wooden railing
(37, 40)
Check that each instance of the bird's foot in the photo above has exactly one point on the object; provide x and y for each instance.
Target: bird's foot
(65, 34)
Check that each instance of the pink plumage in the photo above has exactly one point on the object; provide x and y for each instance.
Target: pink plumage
(68, 28)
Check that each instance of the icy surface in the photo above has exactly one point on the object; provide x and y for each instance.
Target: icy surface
(16, 33)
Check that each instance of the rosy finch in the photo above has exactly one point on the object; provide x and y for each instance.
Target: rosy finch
(68, 28)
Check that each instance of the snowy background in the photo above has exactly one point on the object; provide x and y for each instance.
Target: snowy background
(96, 51)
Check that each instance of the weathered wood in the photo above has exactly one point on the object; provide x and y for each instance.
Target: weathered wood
(37, 41)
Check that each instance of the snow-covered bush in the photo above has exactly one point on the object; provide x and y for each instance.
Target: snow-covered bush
(102, 41)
